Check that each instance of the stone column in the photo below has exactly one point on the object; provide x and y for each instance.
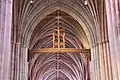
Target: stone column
(19, 64)
(97, 62)
(94, 64)
(113, 24)
(5, 38)
(105, 62)
(100, 62)
(102, 69)
(117, 11)
(92, 70)
(24, 63)
(108, 59)
(15, 61)
(12, 72)
(105, 57)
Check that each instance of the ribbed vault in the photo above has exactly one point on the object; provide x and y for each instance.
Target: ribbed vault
(58, 66)
(34, 24)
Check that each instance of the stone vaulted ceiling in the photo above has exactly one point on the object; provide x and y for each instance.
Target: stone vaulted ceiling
(35, 23)
(58, 66)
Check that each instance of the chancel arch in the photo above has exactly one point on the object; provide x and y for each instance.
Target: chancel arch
(78, 69)
(80, 33)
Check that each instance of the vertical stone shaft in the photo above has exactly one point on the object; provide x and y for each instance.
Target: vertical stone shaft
(12, 72)
(5, 38)
(17, 64)
(23, 63)
(113, 37)
(95, 63)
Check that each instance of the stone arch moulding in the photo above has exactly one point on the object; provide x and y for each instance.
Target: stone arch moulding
(86, 24)
(35, 19)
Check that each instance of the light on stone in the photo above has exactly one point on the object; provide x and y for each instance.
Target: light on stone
(86, 2)
(31, 1)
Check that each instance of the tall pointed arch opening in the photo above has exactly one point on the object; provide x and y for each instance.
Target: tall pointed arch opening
(60, 65)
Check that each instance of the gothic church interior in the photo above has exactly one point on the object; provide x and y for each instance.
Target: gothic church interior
(59, 39)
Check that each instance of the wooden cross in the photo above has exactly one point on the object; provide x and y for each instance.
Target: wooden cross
(59, 46)
(59, 37)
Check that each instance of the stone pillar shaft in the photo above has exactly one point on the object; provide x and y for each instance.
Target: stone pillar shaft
(102, 70)
(94, 64)
(108, 59)
(19, 66)
(112, 22)
(5, 38)
(15, 60)
(105, 62)
(24, 63)
(12, 61)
